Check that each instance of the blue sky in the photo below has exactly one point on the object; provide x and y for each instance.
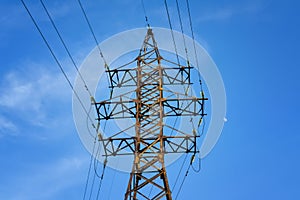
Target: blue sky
(255, 45)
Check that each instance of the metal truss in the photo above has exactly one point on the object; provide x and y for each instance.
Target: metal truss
(128, 77)
(149, 103)
(128, 109)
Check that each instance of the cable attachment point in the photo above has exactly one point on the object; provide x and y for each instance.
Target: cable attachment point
(200, 122)
(93, 101)
(100, 137)
(192, 159)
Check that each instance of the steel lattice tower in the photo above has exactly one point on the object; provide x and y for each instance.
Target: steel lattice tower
(151, 103)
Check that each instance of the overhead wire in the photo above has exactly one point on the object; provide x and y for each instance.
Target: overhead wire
(92, 31)
(172, 33)
(97, 43)
(64, 73)
(96, 162)
(89, 170)
(92, 155)
(101, 179)
(199, 164)
(194, 43)
(94, 175)
(182, 32)
(187, 172)
(103, 169)
(146, 17)
(113, 179)
(184, 41)
(179, 172)
(56, 60)
(200, 81)
(175, 48)
(106, 66)
(95, 165)
(199, 156)
(109, 83)
(181, 185)
(196, 58)
(65, 46)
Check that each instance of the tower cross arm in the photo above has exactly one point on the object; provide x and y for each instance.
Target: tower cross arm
(118, 146)
(176, 75)
(120, 109)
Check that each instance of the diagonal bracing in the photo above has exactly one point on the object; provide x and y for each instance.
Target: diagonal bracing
(148, 107)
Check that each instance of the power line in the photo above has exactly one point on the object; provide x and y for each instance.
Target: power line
(197, 63)
(70, 84)
(194, 43)
(56, 60)
(181, 185)
(180, 170)
(171, 28)
(111, 92)
(101, 179)
(97, 43)
(107, 68)
(89, 170)
(98, 152)
(95, 165)
(146, 17)
(96, 162)
(176, 52)
(199, 163)
(183, 37)
(65, 46)
(91, 29)
(67, 79)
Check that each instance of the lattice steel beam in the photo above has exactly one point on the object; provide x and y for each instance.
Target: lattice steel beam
(127, 109)
(148, 74)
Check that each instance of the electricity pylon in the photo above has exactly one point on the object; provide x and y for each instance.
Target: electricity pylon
(148, 104)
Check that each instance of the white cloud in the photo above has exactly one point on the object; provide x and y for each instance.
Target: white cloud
(47, 180)
(33, 93)
(7, 127)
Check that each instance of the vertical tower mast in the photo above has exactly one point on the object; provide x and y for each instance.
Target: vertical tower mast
(148, 164)
(153, 138)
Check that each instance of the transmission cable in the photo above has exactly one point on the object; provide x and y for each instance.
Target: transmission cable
(63, 72)
(113, 179)
(176, 52)
(109, 83)
(146, 17)
(180, 170)
(92, 155)
(95, 173)
(182, 32)
(57, 61)
(196, 57)
(181, 185)
(65, 46)
(96, 166)
(97, 43)
(172, 33)
(199, 164)
(194, 43)
(175, 47)
(190, 165)
(91, 29)
(89, 170)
